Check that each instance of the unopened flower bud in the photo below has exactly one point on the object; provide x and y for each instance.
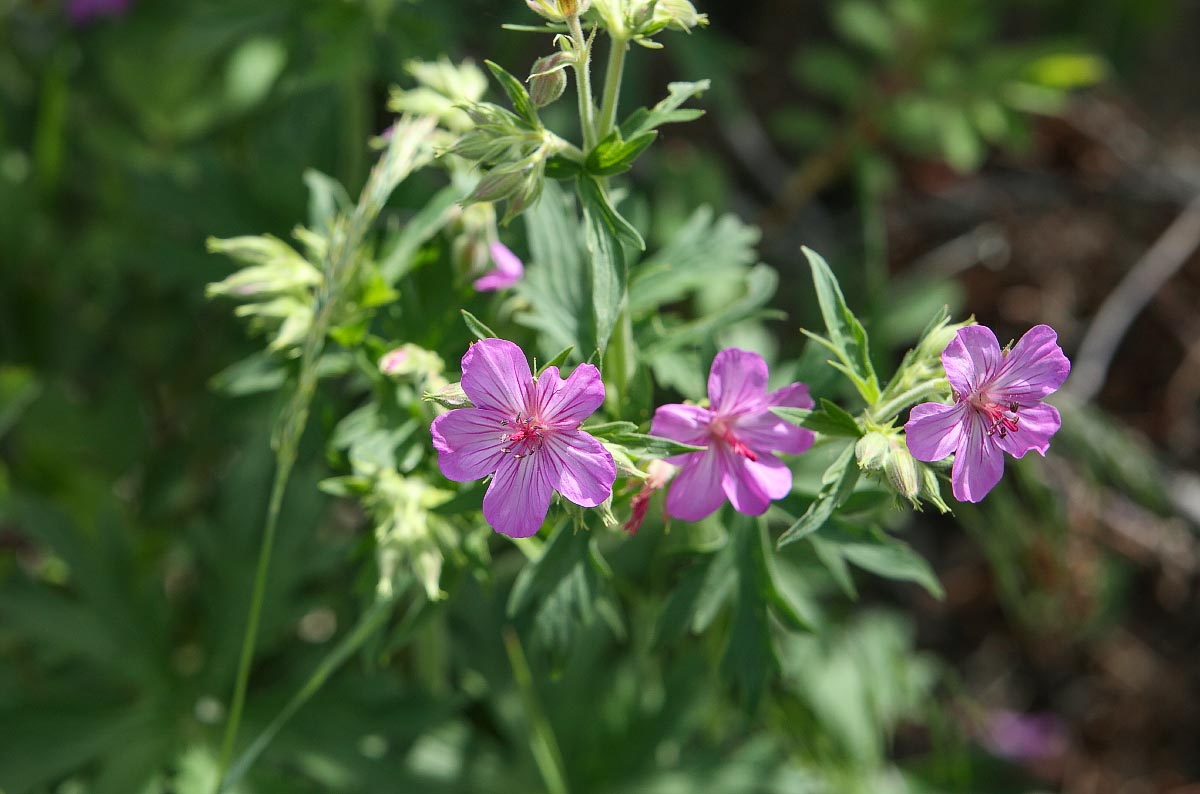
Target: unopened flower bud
(496, 185)
(547, 9)
(450, 396)
(548, 78)
(931, 489)
(901, 470)
(872, 451)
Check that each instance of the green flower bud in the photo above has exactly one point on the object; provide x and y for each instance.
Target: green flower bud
(497, 185)
(872, 451)
(450, 396)
(931, 489)
(901, 470)
(548, 78)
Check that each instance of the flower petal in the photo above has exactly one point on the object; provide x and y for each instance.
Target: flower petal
(517, 500)
(566, 403)
(934, 431)
(687, 424)
(508, 271)
(971, 358)
(696, 490)
(469, 442)
(794, 396)
(765, 432)
(496, 375)
(978, 463)
(737, 382)
(1038, 422)
(578, 467)
(752, 484)
(1035, 367)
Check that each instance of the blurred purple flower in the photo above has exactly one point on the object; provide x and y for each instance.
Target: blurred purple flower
(740, 433)
(82, 12)
(997, 406)
(1024, 737)
(508, 270)
(527, 433)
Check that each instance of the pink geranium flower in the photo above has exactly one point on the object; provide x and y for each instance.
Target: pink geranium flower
(997, 406)
(739, 433)
(508, 270)
(527, 434)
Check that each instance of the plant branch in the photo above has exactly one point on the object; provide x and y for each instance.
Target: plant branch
(583, 82)
(612, 85)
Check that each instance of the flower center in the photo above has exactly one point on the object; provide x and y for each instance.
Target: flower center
(721, 430)
(1002, 418)
(525, 437)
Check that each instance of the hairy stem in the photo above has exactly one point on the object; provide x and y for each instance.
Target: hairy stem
(583, 83)
(612, 85)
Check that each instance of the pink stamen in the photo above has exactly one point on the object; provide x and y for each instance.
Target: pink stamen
(722, 431)
(1003, 418)
(525, 439)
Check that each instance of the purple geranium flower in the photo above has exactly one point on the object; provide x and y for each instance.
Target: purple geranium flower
(997, 406)
(82, 12)
(508, 270)
(526, 432)
(740, 433)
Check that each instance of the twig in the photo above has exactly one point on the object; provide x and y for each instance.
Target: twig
(1122, 306)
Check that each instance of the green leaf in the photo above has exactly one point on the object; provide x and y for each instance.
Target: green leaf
(327, 199)
(750, 659)
(614, 155)
(830, 420)
(517, 94)
(704, 248)
(558, 359)
(606, 260)
(846, 337)
(666, 111)
(476, 326)
(894, 560)
(559, 167)
(836, 485)
(761, 282)
(653, 446)
(610, 430)
(557, 284)
(786, 590)
(594, 196)
(401, 256)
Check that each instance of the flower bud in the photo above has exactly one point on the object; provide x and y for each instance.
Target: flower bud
(496, 185)
(901, 469)
(570, 8)
(931, 489)
(450, 396)
(872, 451)
(547, 9)
(547, 78)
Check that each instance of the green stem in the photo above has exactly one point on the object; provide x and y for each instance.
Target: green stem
(583, 83)
(890, 406)
(612, 85)
(406, 152)
(543, 744)
(371, 620)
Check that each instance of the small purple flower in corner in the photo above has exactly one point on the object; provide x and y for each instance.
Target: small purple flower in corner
(82, 12)
(527, 434)
(997, 406)
(507, 271)
(740, 434)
